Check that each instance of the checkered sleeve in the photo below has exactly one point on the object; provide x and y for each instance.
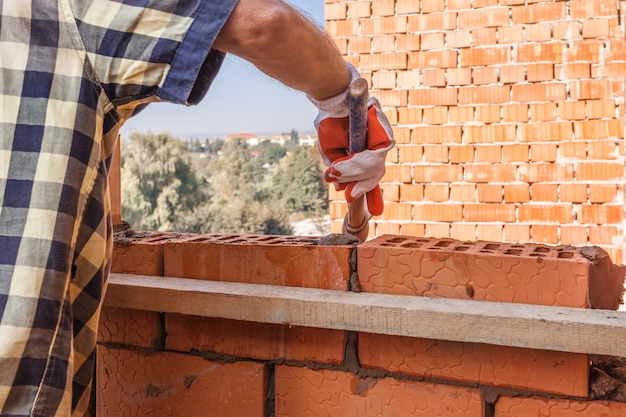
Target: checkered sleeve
(146, 50)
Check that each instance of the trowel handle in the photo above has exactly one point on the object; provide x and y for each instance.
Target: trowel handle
(357, 103)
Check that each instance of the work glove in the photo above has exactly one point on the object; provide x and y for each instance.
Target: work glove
(359, 173)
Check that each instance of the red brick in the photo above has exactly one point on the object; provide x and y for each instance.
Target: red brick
(433, 6)
(384, 61)
(511, 34)
(335, 11)
(603, 193)
(585, 50)
(397, 211)
(436, 116)
(608, 70)
(541, 132)
(433, 40)
(534, 406)
(600, 214)
(484, 18)
(546, 172)
(489, 193)
(598, 109)
(436, 153)
(326, 393)
(580, 9)
(408, 79)
(260, 259)
(516, 233)
(606, 149)
(472, 57)
(398, 173)
(600, 171)
(565, 30)
(383, 25)
(572, 70)
(459, 4)
(548, 52)
(412, 229)
(432, 59)
(461, 114)
(598, 129)
(471, 363)
(405, 6)
(511, 74)
(459, 76)
(437, 192)
(490, 232)
(437, 134)
(462, 153)
(141, 253)
(409, 115)
(539, 13)
(489, 133)
(539, 92)
(342, 28)
(485, 75)
(383, 43)
(131, 328)
(484, 37)
(576, 150)
(542, 112)
(484, 94)
(463, 193)
(538, 32)
(573, 193)
(359, 45)
(541, 213)
(516, 193)
(489, 212)
(359, 9)
(545, 192)
(383, 80)
(254, 340)
(573, 235)
(596, 28)
(141, 384)
(458, 39)
(515, 153)
(410, 153)
(391, 192)
(433, 97)
(383, 7)
(515, 113)
(539, 72)
(432, 21)
(545, 234)
(438, 230)
(490, 173)
(603, 235)
(385, 228)
(543, 152)
(411, 192)
(489, 153)
(438, 212)
(590, 89)
(572, 110)
(392, 98)
(463, 231)
(408, 42)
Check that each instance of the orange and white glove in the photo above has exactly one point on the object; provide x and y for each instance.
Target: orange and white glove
(358, 173)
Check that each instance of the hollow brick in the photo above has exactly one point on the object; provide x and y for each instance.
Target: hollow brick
(461, 114)
(437, 173)
(546, 213)
(398, 173)
(472, 57)
(408, 42)
(397, 211)
(471, 363)
(260, 259)
(489, 193)
(515, 153)
(134, 383)
(516, 193)
(543, 152)
(572, 110)
(432, 21)
(598, 129)
(484, 17)
(541, 233)
(436, 116)
(549, 52)
(576, 150)
(539, 13)
(539, 32)
(383, 43)
(383, 25)
(437, 192)
(436, 153)
(603, 235)
(437, 230)
(590, 89)
(327, 393)
(489, 153)
(433, 97)
(493, 133)
(598, 109)
(387, 227)
(517, 233)
(603, 193)
(359, 9)
(573, 70)
(492, 232)
(408, 79)
(608, 70)
(254, 340)
(490, 172)
(573, 235)
(586, 50)
(432, 40)
(383, 61)
(464, 193)
(432, 59)
(542, 112)
(490, 271)
(383, 7)
(391, 192)
(573, 193)
(462, 153)
(484, 37)
(489, 212)
(463, 231)
(535, 406)
(596, 171)
(459, 4)
(434, 77)
(510, 74)
(406, 6)
(459, 76)
(140, 253)
(131, 327)
(437, 134)
(565, 30)
(601, 214)
(458, 39)
(438, 212)
(595, 28)
(539, 72)
(510, 34)
(412, 229)
(581, 9)
(485, 75)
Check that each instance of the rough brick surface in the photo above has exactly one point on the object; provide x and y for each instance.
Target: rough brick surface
(327, 393)
(260, 259)
(526, 369)
(138, 252)
(535, 406)
(254, 340)
(491, 271)
(131, 328)
(161, 384)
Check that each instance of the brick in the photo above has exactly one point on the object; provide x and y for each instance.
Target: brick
(548, 52)
(409, 115)
(515, 153)
(437, 134)
(573, 235)
(488, 114)
(542, 112)
(543, 152)
(459, 4)
(539, 92)
(546, 172)
(598, 109)
(384, 61)
(572, 110)
(458, 38)
(585, 50)
(489, 133)
(259, 259)
(460, 114)
(492, 17)
(327, 393)
(397, 211)
(433, 6)
(432, 21)
(540, 132)
(335, 11)
(383, 43)
(590, 89)
(392, 98)
(411, 192)
(484, 94)
(473, 57)
(485, 75)
(433, 40)
(432, 59)
(359, 45)
(537, 13)
(608, 150)
(438, 212)
(383, 7)
(576, 150)
(596, 28)
(516, 193)
(573, 193)
(600, 214)
(434, 78)
(131, 328)
(517, 406)
(539, 72)
(538, 32)
(489, 212)
(490, 172)
(412, 229)
(138, 383)
(489, 153)
(542, 233)
(565, 30)
(436, 192)
(572, 70)
(544, 275)
(435, 115)
(545, 192)
(398, 173)
(463, 192)
(463, 231)
(402, 135)
(511, 74)
(410, 153)
(438, 230)
(489, 193)
(604, 171)
(433, 97)
(254, 340)
(359, 9)
(516, 233)
(598, 129)
(406, 6)
(383, 80)
(490, 232)
(603, 193)
(408, 42)
(484, 37)
(460, 154)
(391, 192)
(580, 9)
(603, 235)
(459, 76)
(383, 25)
(342, 28)
(386, 228)
(515, 113)
(141, 253)
(511, 34)
(608, 70)
(470, 363)
(543, 213)
(436, 153)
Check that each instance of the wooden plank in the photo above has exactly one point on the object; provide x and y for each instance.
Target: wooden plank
(520, 325)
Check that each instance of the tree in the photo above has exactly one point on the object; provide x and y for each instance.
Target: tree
(295, 138)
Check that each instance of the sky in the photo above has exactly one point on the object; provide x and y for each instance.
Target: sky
(241, 99)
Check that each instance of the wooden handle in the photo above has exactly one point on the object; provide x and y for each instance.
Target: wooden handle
(356, 222)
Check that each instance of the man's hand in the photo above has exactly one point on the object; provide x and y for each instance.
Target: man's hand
(358, 173)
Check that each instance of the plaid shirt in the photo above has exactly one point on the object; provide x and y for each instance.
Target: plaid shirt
(71, 72)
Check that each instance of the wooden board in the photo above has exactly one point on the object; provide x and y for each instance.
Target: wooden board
(506, 324)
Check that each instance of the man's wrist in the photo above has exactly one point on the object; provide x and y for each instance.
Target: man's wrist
(340, 101)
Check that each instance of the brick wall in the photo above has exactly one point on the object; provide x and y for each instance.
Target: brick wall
(163, 364)
(508, 116)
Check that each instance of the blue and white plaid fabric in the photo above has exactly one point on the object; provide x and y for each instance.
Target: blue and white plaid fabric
(71, 72)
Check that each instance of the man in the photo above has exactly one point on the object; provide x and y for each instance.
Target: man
(71, 72)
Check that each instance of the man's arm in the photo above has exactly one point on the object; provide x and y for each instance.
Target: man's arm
(285, 45)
